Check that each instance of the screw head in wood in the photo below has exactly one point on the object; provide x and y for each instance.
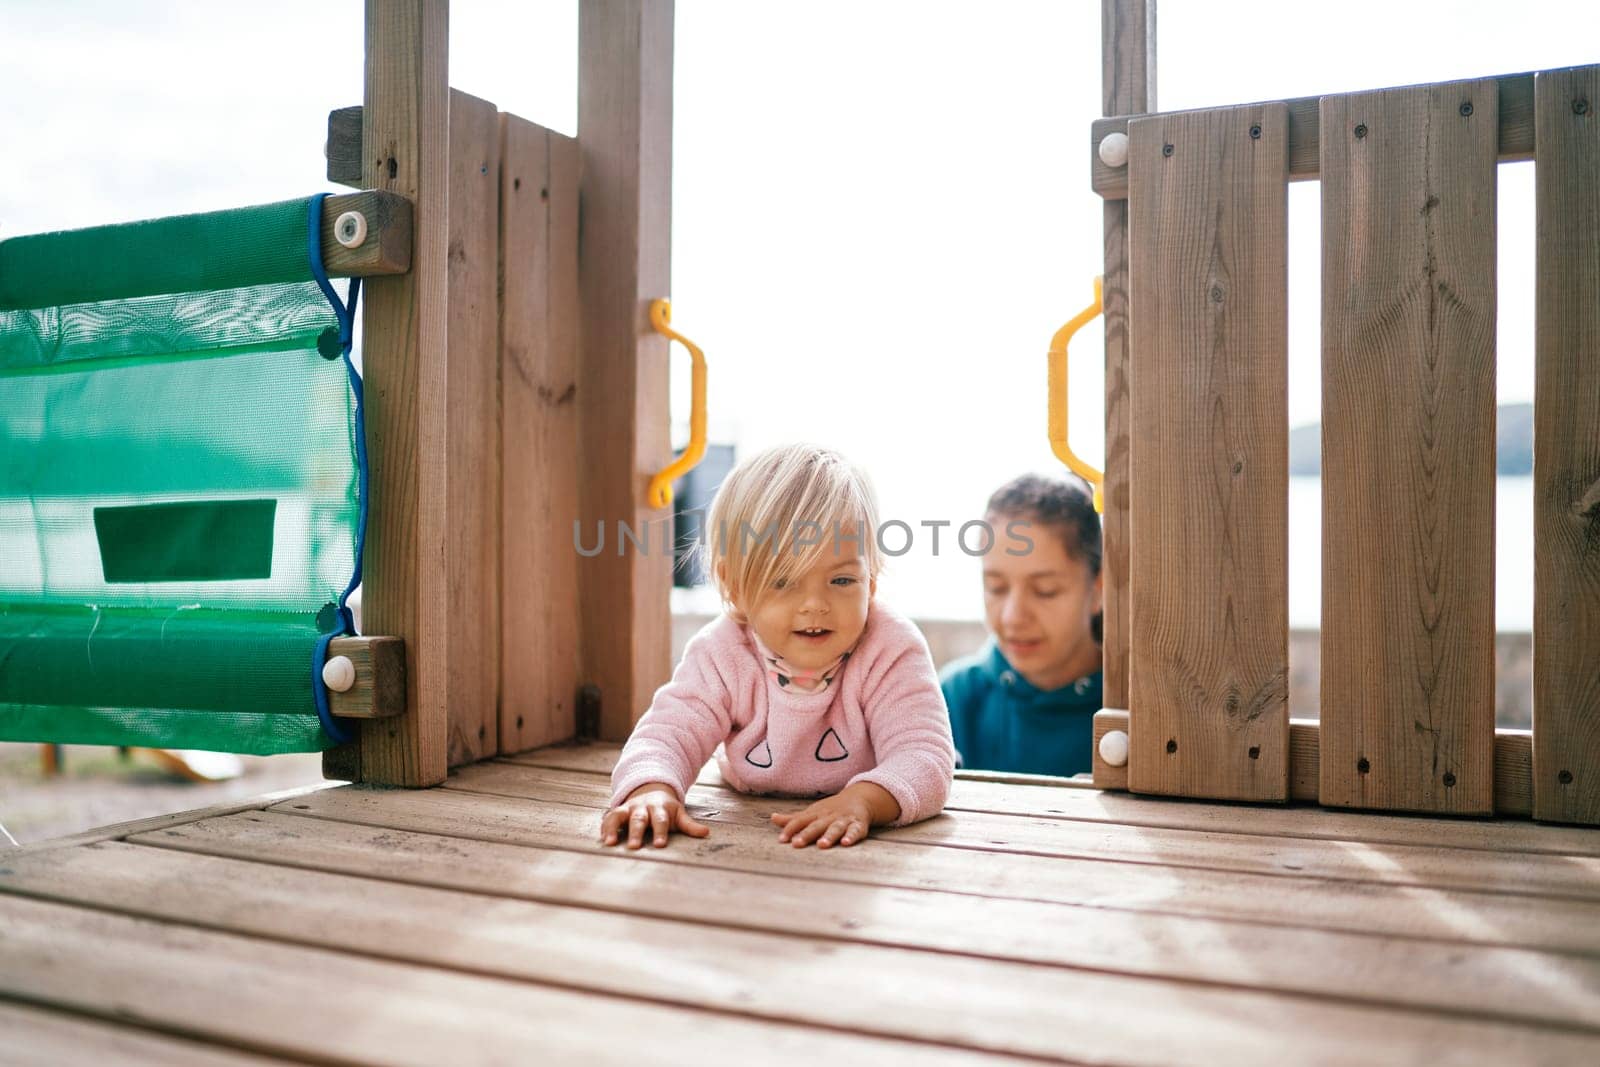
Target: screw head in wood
(1166, 150)
(1565, 777)
(1255, 133)
(1114, 747)
(1361, 130)
(350, 229)
(1466, 108)
(1172, 746)
(339, 674)
(1114, 150)
(1580, 106)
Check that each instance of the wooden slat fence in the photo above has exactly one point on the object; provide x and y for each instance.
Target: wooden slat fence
(1409, 294)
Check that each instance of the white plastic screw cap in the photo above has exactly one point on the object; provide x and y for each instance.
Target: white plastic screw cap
(1114, 747)
(339, 674)
(1114, 149)
(350, 228)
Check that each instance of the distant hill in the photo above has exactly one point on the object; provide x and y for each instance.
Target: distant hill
(1513, 447)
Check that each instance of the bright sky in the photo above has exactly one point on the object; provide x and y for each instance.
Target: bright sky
(881, 210)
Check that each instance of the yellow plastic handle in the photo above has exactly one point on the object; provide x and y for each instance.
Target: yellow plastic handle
(1058, 397)
(660, 491)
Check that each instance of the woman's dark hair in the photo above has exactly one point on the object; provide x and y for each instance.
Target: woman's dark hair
(1063, 504)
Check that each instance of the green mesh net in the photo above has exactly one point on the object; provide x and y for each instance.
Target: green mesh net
(178, 483)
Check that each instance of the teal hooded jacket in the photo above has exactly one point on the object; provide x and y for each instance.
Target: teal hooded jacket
(1002, 722)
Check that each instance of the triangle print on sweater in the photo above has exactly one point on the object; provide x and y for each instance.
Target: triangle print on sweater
(757, 754)
(830, 749)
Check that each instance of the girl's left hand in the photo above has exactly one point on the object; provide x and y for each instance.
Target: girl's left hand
(841, 819)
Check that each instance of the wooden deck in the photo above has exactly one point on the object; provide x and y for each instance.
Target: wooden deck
(480, 922)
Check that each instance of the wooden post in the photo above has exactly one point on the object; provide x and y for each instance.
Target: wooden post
(625, 136)
(1208, 214)
(1408, 448)
(1566, 454)
(405, 139)
(540, 456)
(1128, 86)
(472, 444)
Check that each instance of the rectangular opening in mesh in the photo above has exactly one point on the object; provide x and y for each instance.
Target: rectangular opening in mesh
(191, 541)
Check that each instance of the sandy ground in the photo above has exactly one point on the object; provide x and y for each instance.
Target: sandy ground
(97, 787)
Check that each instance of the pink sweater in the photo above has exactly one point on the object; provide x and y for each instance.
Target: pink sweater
(882, 720)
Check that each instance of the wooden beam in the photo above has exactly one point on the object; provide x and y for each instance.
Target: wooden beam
(380, 689)
(387, 248)
(541, 617)
(1408, 448)
(625, 136)
(405, 592)
(1513, 763)
(1127, 57)
(1516, 135)
(472, 444)
(1107, 776)
(1128, 86)
(1513, 772)
(1566, 451)
(1209, 483)
(343, 148)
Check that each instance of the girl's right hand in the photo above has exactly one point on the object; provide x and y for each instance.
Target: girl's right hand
(654, 806)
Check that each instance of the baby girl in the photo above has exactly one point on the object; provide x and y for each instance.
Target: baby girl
(810, 686)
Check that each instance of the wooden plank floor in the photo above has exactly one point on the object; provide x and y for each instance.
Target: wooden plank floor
(481, 922)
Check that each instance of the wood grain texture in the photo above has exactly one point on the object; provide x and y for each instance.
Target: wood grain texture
(380, 688)
(1061, 798)
(1208, 698)
(1513, 782)
(1408, 449)
(1513, 768)
(472, 438)
(1516, 135)
(1359, 967)
(117, 831)
(38, 1036)
(1105, 775)
(1513, 772)
(625, 136)
(1431, 864)
(738, 844)
(1304, 746)
(335, 1007)
(1116, 521)
(404, 358)
(1566, 451)
(1427, 865)
(539, 348)
(962, 1001)
(387, 249)
(1128, 85)
(1127, 56)
(343, 147)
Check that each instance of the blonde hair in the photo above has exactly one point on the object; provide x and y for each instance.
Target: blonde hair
(776, 516)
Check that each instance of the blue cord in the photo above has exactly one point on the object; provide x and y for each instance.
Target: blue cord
(346, 316)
